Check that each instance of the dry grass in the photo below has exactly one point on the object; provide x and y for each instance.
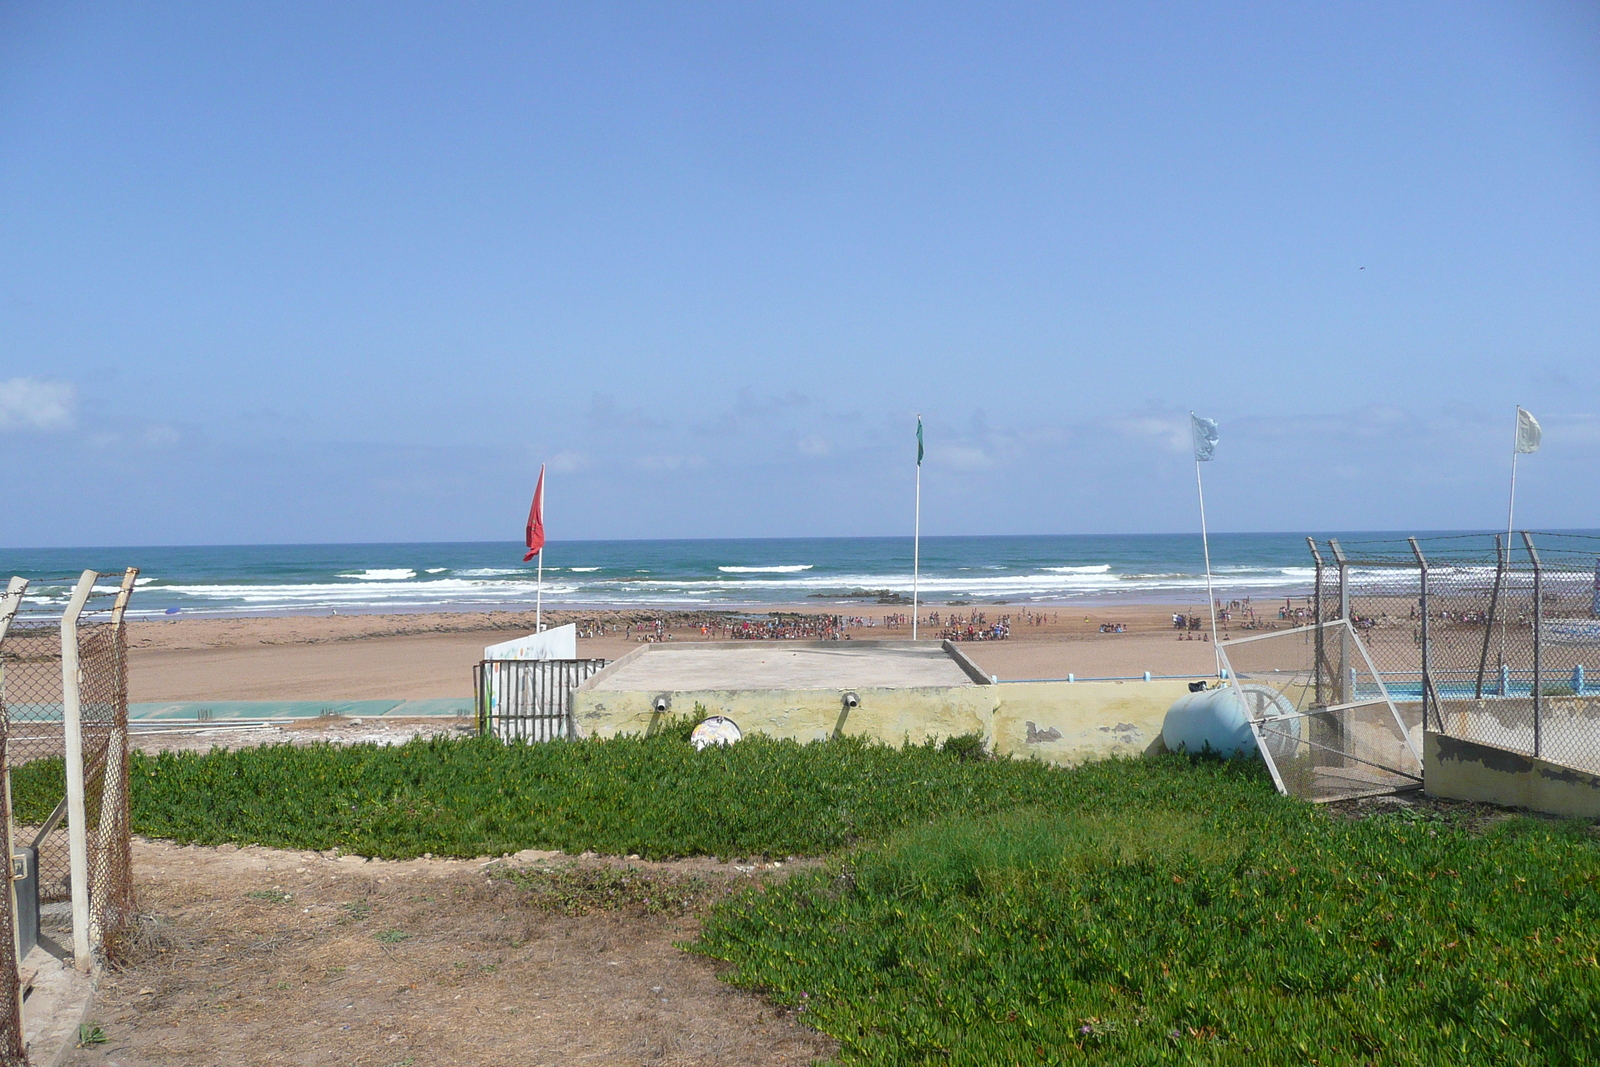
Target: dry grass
(258, 956)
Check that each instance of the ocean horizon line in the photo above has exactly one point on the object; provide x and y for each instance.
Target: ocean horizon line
(1397, 534)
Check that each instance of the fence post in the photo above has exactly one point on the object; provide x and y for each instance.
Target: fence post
(1316, 612)
(1427, 666)
(1538, 642)
(111, 913)
(72, 731)
(1488, 623)
(1342, 694)
(11, 1031)
(480, 698)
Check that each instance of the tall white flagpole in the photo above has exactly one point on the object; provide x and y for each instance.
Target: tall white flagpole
(1205, 545)
(1205, 539)
(538, 596)
(916, 537)
(1526, 437)
(1511, 506)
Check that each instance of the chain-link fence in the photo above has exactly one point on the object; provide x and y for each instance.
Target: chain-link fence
(64, 704)
(1322, 717)
(12, 1050)
(1494, 639)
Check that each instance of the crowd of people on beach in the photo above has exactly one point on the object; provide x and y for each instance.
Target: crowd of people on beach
(974, 627)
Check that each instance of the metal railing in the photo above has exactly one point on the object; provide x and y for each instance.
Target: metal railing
(529, 700)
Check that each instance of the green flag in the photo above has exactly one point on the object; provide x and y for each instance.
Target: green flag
(919, 440)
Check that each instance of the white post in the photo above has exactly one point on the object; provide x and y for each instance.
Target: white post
(72, 724)
(538, 594)
(916, 538)
(10, 601)
(1205, 546)
(1511, 508)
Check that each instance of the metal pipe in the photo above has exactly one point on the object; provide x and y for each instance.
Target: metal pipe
(1428, 689)
(1316, 611)
(1538, 657)
(1488, 623)
(1342, 693)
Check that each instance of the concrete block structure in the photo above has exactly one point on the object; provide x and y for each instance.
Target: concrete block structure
(1470, 770)
(893, 691)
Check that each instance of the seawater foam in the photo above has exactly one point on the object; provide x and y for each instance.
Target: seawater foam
(384, 574)
(789, 568)
(396, 594)
(467, 576)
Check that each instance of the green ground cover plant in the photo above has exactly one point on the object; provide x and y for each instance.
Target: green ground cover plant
(655, 797)
(980, 911)
(1201, 919)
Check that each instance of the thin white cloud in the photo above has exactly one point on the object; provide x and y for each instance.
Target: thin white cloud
(671, 463)
(161, 436)
(815, 446)
(1171, 430)
(36, 404)
(966, 458)
(566, 462)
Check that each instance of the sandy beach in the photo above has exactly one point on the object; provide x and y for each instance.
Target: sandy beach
(423, 656)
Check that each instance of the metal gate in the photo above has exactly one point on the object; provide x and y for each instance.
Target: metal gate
(1322, 716)
(529, 699)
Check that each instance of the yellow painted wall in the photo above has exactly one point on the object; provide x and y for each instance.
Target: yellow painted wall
(1058, 722)
(1466, 770)
(1069, 722)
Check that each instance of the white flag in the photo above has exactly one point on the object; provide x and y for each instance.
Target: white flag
(1528, 432)
(1205, 437)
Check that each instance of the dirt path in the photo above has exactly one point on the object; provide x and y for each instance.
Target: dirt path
(259, 956)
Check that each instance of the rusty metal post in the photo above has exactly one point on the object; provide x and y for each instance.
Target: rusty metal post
(1428, 690)
(1341, 691)
(1538, 642)
(1316, 611)
(1488, 624)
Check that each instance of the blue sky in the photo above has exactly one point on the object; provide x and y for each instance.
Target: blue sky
(351, 272)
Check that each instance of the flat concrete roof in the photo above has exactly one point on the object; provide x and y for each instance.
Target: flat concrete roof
(782, 665)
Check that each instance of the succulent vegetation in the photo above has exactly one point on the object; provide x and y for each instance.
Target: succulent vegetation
(981, 911)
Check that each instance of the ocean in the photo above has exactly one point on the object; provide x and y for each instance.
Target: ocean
(831, 574)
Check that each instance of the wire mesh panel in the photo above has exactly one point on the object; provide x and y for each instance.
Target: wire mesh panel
(33, 714)
(529, 700)
(103, 697)
(1498, 637)
(31, 702)
(12, 1051)
(1322, 717)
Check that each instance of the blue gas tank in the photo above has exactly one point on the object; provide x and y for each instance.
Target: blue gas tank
(1213, 717)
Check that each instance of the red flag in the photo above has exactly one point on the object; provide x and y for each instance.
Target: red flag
(536, 519)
